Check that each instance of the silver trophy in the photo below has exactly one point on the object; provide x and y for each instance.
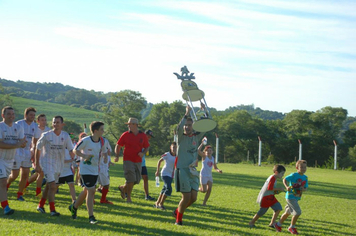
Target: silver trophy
(202, 121)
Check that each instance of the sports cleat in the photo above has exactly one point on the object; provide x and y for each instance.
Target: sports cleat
(106, 202)
(8, 211)
(277, 227)
(41, 209)
(148, 197)
(54, 213)
(92, 220)
(73, 211)
(179, 223)
(292, 230)
(21, 199)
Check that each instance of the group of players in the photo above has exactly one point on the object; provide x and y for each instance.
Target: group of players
(26, 143)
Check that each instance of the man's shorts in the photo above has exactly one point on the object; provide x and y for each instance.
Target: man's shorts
(292, 207)
(185, 181)
(88, 181)
(21, 162)
(276, 207)
(132, 171)
(205, 179)
(69, 179)
(104, 179)
(5, 168)
(144, 170)
(51, 176)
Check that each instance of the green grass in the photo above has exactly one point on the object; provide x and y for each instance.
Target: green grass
(78, 115)
(328, 207)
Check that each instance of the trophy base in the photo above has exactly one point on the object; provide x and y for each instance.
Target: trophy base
(204, 125)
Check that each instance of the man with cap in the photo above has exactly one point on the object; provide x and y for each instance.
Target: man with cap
(135, 145)
(144, 172)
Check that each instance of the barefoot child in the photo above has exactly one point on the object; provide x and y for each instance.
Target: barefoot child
(266, 196)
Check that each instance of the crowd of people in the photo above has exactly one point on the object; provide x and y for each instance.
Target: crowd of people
(54, 155)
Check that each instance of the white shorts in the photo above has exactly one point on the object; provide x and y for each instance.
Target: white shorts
(5, 168)
(104, 179)
(206, 179)
(20, 161)
(50, 176)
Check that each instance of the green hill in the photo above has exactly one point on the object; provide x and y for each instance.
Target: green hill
(75, 114)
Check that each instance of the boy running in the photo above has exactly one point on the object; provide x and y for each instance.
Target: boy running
(90, 150)
(266, 197)
(295, 183)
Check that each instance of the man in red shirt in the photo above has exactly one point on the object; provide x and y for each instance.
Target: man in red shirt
(135, 145)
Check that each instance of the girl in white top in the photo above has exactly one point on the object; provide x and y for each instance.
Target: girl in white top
(206, 178)
(167, 174)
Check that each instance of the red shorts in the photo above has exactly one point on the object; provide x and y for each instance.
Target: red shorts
(268, 201)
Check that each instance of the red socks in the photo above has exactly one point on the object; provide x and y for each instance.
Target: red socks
(38, 191)
(51, 206)
(42, 202)
(27, 184)
(19, 194)
(4, 204)
(104, 192)
(179, 216)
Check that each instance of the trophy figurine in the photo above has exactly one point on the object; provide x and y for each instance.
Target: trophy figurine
(202, 121)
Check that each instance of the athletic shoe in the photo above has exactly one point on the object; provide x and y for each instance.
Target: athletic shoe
(73, 211)
(8, 211)
(92, 220)
(293, 230)
(179, 223)
(148, 197)
(21, 199)
(277, 227)
(106, 202)
(174, 213)
(41, 209)
(161, 207)
(54, 213)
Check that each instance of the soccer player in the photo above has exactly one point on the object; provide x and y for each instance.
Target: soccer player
(24, 156)
(53, 144)
(11, 137)
(90, 150)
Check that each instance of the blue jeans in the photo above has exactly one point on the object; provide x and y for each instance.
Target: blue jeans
(167, 187)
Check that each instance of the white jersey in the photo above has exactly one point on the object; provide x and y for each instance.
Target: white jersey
(104, 167)
(11, 135)
(168, 167)
(39, 131)
(53, 148)
(67, 166)
(30, 131)
(89, 147)
(207, 166)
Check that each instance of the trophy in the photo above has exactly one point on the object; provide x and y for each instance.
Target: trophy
(202, 121)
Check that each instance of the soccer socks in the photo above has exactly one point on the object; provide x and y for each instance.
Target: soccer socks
(4, 204)
(38, 191)
(27, 184)
(179, 217)
(104, 192)
(19, 194)
(7, 186)
(42, 202)
(51, 206)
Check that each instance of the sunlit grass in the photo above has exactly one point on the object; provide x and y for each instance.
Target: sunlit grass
(328, 207)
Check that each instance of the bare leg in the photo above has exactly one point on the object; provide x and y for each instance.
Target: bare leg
(254, 219)
(33, 178)
(128, 189)
(294, 219)
(23, 179)
(82, 196)
(52, 188)
(72, 191)
(90, 200)
(283, 218)
(3, 192)
(187, 200)
(14, 174)
(207, 195)
(274, 217)
(145, 184)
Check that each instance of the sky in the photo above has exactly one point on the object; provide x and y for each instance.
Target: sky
(277, 55)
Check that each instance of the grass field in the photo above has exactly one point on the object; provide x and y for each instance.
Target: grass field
(328, 207)
(78, 115)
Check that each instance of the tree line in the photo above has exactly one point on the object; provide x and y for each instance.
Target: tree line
(238, 127)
